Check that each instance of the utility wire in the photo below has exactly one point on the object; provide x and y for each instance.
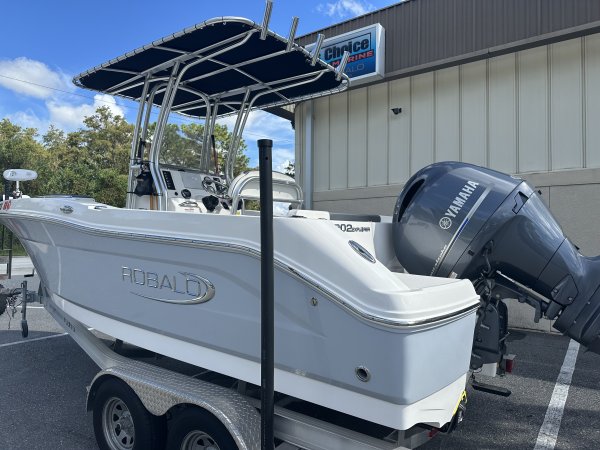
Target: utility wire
(181, 118)
(61, 90)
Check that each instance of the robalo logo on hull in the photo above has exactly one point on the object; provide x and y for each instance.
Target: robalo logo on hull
(183, 288)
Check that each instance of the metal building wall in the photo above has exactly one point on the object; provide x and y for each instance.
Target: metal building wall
(535, 112)
(426, 33)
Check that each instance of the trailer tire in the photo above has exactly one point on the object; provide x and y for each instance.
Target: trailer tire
(121, 422)
(194, 428)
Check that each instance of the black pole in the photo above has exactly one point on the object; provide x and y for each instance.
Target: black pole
(267, 318)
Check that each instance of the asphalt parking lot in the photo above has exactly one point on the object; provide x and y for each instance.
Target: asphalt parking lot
(43, 383)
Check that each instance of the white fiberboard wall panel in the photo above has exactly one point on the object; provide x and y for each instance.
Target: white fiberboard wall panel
(532, 111)
(502, 123)
(338, 142)
(357, 138)
(399, 132)
(592, 100)
(566, 105)
(321, 144)
(447, 115)
(422, 136)
(377, 132)
(473, 112)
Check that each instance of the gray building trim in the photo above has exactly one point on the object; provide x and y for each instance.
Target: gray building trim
(307, 161)
(425, 35)
(563, 177)
(536, 179)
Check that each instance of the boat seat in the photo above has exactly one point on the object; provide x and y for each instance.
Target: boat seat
(246, 187)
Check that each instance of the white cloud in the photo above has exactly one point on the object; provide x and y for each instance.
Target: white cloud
(345, 8)
(69, 117)
(282, 157)
(264, 125)
(67, 112)
(28, 119)
(65, 116)
(32, 78)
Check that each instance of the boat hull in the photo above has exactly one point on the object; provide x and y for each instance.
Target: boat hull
(199, 301)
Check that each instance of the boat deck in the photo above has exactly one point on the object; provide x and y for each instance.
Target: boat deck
(43, 380)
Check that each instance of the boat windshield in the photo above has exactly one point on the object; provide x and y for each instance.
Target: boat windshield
(182, 142)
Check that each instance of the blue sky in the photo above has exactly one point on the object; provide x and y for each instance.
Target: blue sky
(47, 43)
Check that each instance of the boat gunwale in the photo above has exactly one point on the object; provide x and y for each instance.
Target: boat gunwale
(252, 252)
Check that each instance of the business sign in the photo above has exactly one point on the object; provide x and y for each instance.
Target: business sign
(367, 53)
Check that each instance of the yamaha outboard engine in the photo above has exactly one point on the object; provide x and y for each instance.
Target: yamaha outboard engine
(463, 221)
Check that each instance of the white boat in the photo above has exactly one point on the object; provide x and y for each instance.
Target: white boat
(177, 271)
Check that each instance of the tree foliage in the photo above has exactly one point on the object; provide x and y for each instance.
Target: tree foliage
(94, 160)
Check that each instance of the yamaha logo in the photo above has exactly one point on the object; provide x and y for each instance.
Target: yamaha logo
(457, 204)
(445, 223)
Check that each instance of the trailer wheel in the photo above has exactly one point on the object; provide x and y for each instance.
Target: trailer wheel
(121, 422)
(197, 429)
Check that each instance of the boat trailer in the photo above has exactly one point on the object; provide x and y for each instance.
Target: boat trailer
(125, 387)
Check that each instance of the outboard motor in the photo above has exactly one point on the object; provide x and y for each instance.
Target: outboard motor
(458, 220)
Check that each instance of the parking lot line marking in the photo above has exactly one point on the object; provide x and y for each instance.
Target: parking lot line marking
(33, 340)
(548, 434)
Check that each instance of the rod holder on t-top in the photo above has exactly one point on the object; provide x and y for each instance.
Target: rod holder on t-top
(266, 19)
(267, 318)
(317, 49)
(340, 69)
(292, 34)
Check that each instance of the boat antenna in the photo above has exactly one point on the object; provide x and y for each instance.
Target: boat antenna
(266, 18)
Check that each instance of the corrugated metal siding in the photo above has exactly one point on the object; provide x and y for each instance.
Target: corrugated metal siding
(532, 111)
(399, 132)
(566, 103)
(532, 114)
(425, 31)
(592, 96)
(502, 133)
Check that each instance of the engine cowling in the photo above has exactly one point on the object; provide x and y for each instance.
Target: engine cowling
(463, 221)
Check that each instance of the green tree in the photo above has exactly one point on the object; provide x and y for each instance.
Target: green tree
(18, 149)
(106, 139)
(223, 143)
(17, 145)
(94, 160)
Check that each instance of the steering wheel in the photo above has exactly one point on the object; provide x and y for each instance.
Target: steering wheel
(208, 185)
(213, 186)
